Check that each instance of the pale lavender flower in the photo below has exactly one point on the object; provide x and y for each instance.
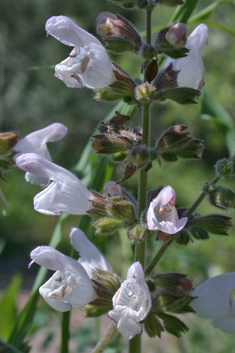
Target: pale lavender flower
(162, 213)
(214, 300)
(71, 285)
(131, 303)
(65, 193)
(88, 64)
(36, 142)
(191, 68)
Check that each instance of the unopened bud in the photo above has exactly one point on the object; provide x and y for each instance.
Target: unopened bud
(119, 29)
(107, 225)
(176, 34)
(220, 196)
(214, 223)
(109, 144)
(145, 93)
(7, 141)
(121, 209)
(140, 156)
(224, 168)
(181, 95)
(137, 234)
(112, 189)
(171, 40)
(183, 237)
(173, 280)
(175, 300)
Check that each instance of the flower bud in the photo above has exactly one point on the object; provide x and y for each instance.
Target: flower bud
(137, 234)
(220, 196)
(224, 168)
(109, 144)
(119, 33)
(121, 209)
(214, 223)
(7, 141)
(107, 225)
(183, 237)
(175, 300)
(173, 280)
(145, 93)
(176, 35)
(171, 40)
(181, 95)
(140, 156)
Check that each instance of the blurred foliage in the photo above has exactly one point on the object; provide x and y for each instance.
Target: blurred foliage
(31, 98)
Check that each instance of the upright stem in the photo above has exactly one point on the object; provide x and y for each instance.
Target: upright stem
(112, 329)
(65, 332)
(135, 343)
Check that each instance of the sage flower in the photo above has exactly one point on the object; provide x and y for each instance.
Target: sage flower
(162, 213)
(131, 303)
(65, 193)
(36, 142)
(191, 68)
(88, 63)
(213, 299)
(70, 286)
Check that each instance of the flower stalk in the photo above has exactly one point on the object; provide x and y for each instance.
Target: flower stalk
(112, 329)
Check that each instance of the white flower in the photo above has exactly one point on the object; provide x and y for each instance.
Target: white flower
(88, 64)
(162, 214)
(36, 142)
(132, 303)
(70, 286)
(191, 66)
(65, 193)
(214, 300)
(90, 258)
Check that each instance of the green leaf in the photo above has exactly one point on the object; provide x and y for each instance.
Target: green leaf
(8, 307)
(173, 325)
(207, 11)
(213, 111)
(153, 326)
(183, 13)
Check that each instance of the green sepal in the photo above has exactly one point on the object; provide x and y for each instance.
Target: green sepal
(107, 225)
(214, 223)
(117, 44)
(199, 233)
(169, 157)
(173, 325)
(153, 326)
(183, 237)
(181, 95)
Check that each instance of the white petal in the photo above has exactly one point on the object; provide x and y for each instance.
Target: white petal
(67, 32)
(214, 298)
(66, 193)
(225, 324)
(91, 258)
(126, 322)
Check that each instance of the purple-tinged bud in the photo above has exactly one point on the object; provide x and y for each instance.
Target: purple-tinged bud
(120, 208)
(176, 34)
(118, 28)
(140, 156)
(137, 234)
(220, 196)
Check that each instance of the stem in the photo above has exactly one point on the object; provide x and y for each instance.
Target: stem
(65, 335)
(135, 343)
(112, 329)
(165, 246)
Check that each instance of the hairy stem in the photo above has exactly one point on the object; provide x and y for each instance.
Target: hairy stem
(165, 246)
(65, 334)
(135, 343)
(112, 329)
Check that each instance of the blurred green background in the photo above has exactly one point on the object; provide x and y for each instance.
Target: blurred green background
(31, 98)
